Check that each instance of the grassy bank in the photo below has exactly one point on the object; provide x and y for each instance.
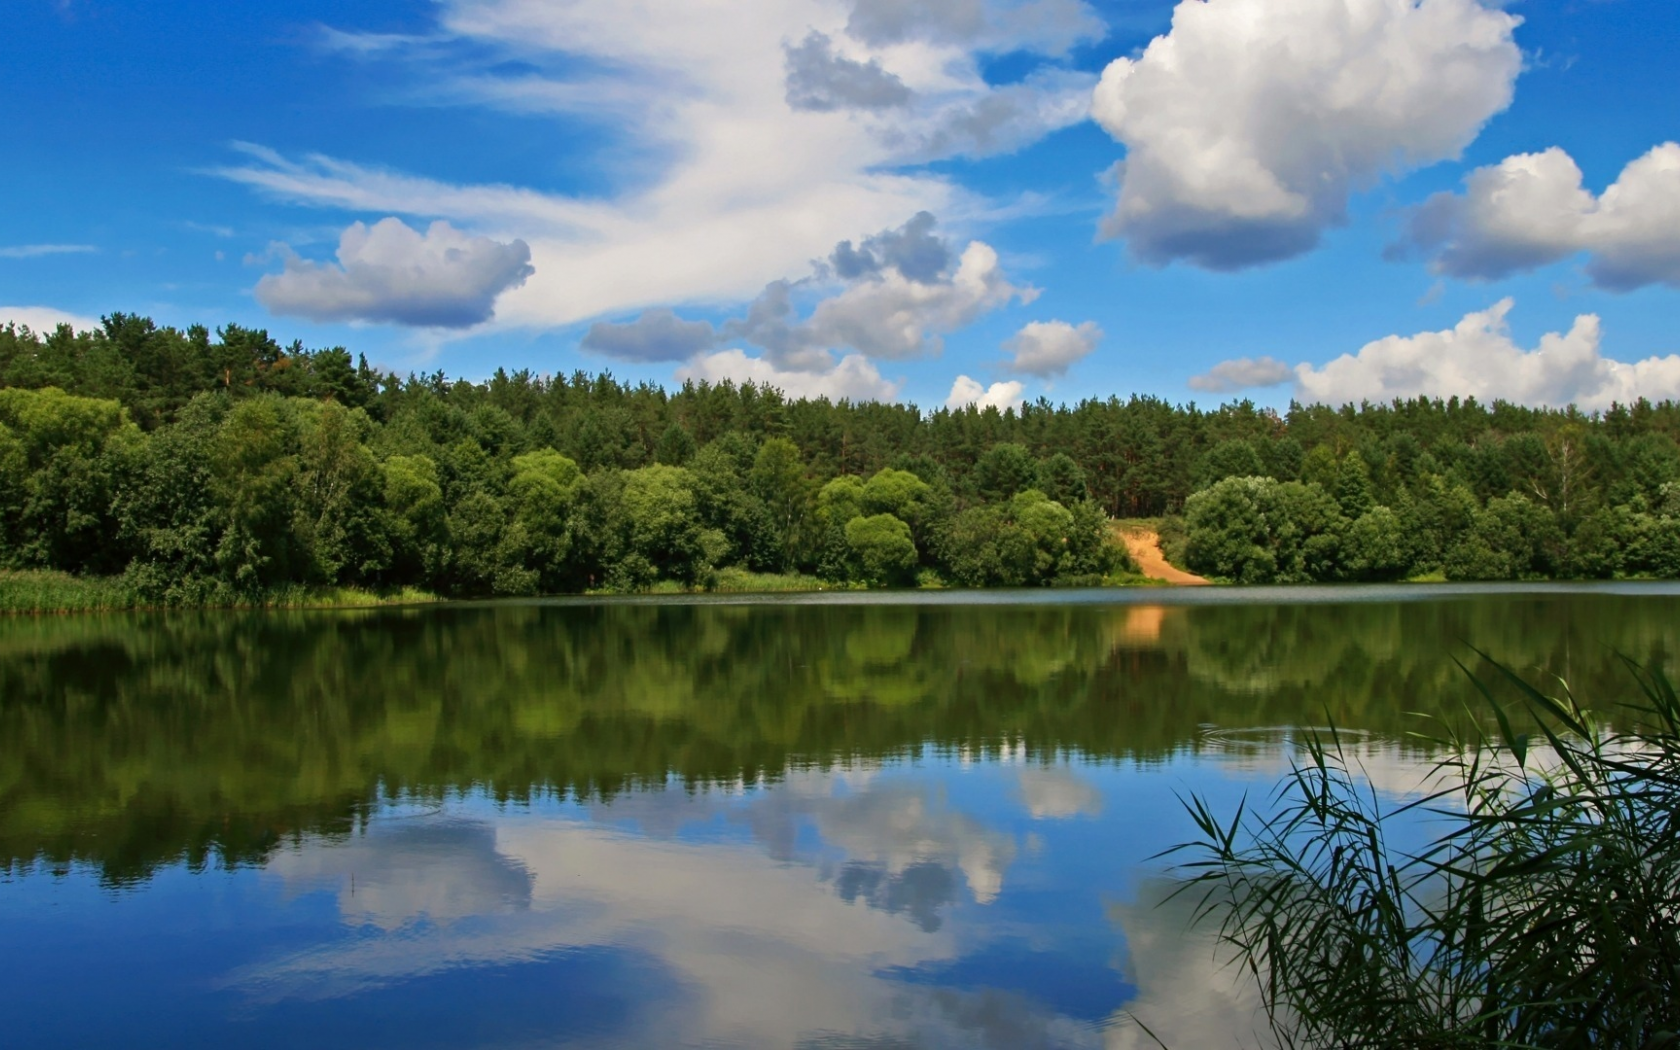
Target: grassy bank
(40, 591)
(740, 581)
(31, 591)
(743, 581)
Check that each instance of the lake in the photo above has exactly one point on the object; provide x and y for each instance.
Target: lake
(822, 821)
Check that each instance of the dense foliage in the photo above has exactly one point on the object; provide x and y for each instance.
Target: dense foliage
(1541, 907)
(231, 468)
(206, 467)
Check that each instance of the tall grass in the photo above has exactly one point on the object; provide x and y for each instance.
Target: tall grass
(298, 597)
(43, 591)
(738, 580)
(1542, 908)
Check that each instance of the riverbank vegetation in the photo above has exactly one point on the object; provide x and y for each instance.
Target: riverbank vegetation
(1533, 902)
(222, 469)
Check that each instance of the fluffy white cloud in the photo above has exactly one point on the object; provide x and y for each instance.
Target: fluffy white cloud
(1532, 209)
(1049, 348)
(1241, 374)
(1248, 125)
(690, 91)
(852, 378)
(44, 320)
(901, 297)
(1478, 357)
(388, 272)
(657, 335)
(897, 317)
(968, 391)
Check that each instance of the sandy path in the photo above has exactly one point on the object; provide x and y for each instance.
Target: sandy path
(1145, 547)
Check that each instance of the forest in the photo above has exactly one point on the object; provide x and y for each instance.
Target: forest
(204, 468)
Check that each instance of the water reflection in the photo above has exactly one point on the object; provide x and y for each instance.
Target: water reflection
(812, 912)
(677, 824)
(133, 741)
(1190, 991)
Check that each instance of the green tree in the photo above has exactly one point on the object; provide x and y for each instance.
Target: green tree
(340, 521)
(1603, 541)
(1229, 459)
(417, 520)
(655, 527)
(779, 480)
(1062, 479)
(838, 502)
(485, 555)
(1353, 486)
(543, 496)
(253, 469)
(1258, 530)
(66, 457)
(885, 553)
(675, 447)
(1005, 469)
(1374, 547)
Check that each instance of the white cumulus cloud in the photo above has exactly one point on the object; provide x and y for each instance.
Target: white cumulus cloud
(852, 378)
(900, 296)
(1049, 348)
(968, 391)
(44, 320)
(1242, 373)
(387, 272)
(1531, 209)
(1478, 357)
(1249, 124)
(897, 317)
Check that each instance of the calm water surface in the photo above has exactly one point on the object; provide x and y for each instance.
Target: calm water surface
(926, 822)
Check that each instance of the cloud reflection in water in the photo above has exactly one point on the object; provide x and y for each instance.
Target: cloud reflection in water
(784, 915)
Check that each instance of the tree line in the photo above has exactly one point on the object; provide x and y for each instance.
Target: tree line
(203, 467)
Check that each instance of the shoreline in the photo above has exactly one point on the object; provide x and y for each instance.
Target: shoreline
(1140, 591)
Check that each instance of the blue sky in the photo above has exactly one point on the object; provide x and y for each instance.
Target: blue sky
(1325, 199)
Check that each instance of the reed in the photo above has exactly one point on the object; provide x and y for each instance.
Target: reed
(1541, 907)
